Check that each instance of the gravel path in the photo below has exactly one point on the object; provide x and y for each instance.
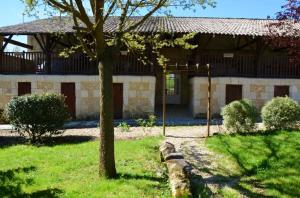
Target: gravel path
(177, 135)
(174, 133)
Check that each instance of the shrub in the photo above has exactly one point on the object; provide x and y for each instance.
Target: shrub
(3, 119)
(124, 127)
(240, 116)
(36, 116)
(281, 113)
(151, 120)
(147, 123)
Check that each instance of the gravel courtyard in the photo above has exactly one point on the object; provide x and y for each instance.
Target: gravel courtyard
(176, 132)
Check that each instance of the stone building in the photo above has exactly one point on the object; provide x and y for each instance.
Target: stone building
(242, 66)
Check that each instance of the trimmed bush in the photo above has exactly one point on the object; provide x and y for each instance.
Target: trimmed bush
(281, 113)
(240, 116)
(3, 119)
(36, 116)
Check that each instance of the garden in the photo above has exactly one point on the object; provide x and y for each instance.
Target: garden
(257, 162)
(71, 170)
(248, 160)
(39, 161)
(257, 165)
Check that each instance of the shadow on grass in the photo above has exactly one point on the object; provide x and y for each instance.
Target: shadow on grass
(12, 184)
(199, 187)
(272, 172)
(128, 176)
(7, 141)
(184, 137)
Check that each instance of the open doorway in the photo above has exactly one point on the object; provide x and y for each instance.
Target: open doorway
(173, 89)
(177, 96)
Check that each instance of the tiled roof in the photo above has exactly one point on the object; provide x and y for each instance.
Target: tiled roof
(224, 26)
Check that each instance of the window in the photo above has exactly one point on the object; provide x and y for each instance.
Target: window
(281, 91)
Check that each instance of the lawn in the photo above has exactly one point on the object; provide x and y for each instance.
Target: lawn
(258, 165)
(71, 170)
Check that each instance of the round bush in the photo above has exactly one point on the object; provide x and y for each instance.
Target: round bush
(36, 116)
(240, 116)
(3, 119)
(281, 113)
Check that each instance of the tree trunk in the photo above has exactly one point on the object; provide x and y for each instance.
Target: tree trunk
(107, 167)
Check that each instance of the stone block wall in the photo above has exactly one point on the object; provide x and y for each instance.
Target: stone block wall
(256, 89)
(141, 95)
(138, 91)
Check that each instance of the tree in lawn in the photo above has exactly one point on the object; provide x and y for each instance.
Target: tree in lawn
(285, 33)
(105, 47)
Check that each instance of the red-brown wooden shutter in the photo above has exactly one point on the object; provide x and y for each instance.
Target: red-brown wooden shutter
(233, 92)
(281, 91)
(118, 100)
(24, 88)
(68, 90)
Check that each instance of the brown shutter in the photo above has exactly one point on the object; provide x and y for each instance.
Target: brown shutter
(24, 88)
(118, 100)
(281, 91)
(233, 92)
(68, 90)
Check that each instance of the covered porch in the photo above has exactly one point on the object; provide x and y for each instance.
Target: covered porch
(268, 66)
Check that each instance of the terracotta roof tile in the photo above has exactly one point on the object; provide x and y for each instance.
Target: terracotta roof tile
(225, 26)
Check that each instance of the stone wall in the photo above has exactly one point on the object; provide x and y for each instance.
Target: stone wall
(138, 91)
(140, 100)
(255, 89)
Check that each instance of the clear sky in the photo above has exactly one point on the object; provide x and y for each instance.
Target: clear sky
(11, 10)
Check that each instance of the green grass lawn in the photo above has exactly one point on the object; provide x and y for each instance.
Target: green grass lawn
(259, 165)
(71, 170)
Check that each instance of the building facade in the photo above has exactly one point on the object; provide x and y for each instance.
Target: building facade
(242, 66)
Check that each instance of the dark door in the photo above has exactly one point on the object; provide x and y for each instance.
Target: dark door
(233, 92)
(68, 90)
(24, 88)
(281, 91)
(118, 100)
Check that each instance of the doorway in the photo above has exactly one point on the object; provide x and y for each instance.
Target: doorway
(118, 100)
(173, 88)
(68, 90)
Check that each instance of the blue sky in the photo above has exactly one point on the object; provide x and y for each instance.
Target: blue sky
(11, 10)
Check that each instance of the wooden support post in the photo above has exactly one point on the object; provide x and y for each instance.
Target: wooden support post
(164, 101)
(208, 99)
(47, 44)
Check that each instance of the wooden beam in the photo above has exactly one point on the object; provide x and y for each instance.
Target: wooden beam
(246, 44)
(43, 41)
(63, 44)
(17, 43)
(207, 42)
(208, 99)
(164, 101)
(40, 43)
(6, 42)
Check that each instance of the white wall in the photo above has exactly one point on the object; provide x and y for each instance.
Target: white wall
(138, 91)
(259, 90)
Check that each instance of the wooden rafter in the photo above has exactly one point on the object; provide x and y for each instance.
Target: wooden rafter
(246, 44)
(208, 42)
(40, 43)
(6, 42)
(18, 43)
